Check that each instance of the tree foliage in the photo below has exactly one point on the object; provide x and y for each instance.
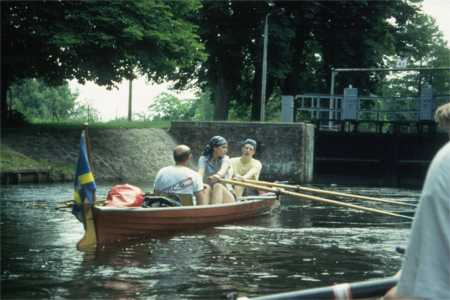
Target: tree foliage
(84, 113)
(306, 39)
(422, 44)
(106, 41)
(100, 41)
(168, 107)
(37, 101)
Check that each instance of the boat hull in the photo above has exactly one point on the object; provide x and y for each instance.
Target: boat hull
(119, 224)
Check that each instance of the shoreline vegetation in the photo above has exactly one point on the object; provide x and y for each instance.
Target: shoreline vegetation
(14, 161)
(114, 124)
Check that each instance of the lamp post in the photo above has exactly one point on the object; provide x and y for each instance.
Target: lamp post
(262, 116)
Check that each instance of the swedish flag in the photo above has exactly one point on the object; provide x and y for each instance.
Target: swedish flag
(84, 181)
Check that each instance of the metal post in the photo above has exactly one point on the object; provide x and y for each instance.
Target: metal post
(331, 114)
(130, 98)
(287, 108)
(264, 71)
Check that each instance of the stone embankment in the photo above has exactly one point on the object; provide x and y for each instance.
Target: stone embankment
(135, 155)
(118, 154)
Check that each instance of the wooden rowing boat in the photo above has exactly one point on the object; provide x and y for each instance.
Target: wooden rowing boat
(119, 224)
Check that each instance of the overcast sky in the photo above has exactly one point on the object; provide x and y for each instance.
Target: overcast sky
(113, 104)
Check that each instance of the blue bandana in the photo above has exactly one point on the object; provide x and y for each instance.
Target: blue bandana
(215, 141)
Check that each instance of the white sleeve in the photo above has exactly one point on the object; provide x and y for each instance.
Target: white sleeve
(198, 183)
(157, 182)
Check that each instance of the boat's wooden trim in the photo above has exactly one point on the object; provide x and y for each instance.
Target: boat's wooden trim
(118, 224)
(243, 201)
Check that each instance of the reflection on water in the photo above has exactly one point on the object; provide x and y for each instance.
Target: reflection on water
(301, 245)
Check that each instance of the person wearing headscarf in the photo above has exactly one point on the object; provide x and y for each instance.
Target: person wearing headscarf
(245, 166)
(213, 165)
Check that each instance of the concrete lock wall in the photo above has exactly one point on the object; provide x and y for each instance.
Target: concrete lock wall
(286, 150)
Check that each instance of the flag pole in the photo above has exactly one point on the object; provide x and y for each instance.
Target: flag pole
(88, 146)
(89, 240)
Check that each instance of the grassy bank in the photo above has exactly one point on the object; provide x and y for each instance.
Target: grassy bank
(53, 147)
(13, 161)
(111, 124)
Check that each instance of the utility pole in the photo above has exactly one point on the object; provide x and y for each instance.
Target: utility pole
(264, 71)
(130, 99)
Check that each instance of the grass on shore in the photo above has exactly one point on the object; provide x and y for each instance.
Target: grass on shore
(13, 161)
(110, 124)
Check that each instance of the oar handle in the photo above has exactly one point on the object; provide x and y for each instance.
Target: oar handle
(325, 192)
(343, 204)
(313, 198)
(250, 185)
(360, 197)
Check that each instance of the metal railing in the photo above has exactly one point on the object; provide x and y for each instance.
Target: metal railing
(326, 111)
(319, 108)
(388, 109)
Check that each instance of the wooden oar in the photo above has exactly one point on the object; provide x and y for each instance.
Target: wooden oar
(325, 192)
(356, 290)
(313, 198)
(69, 203)
(66, 204)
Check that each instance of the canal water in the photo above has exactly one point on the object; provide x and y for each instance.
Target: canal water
(301, 245)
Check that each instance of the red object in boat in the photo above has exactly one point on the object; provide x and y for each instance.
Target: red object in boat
(124, 195)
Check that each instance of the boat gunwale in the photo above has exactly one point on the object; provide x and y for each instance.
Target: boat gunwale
(244, 201)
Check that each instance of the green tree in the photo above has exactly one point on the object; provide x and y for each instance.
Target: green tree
(168, 107)
(306, 39)
(39, 102)
(423, 44)
(101, 41)
(84, 113)
(224, 33)
(205, 108)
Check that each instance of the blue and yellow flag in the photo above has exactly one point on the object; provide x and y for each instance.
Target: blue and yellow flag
(84, 181)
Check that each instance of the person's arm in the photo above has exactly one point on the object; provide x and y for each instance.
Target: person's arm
(224, 168)
(201, 166)
(391, 294)
(254, 171)
(200, 196)
(199, 190)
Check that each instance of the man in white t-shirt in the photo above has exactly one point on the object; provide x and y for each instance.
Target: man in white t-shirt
(179, 179)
